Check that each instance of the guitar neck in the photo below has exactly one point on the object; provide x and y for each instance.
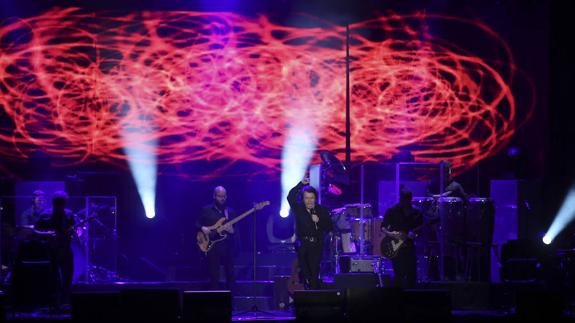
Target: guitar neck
(243, 215)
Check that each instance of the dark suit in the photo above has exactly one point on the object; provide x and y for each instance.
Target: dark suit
(310, 237)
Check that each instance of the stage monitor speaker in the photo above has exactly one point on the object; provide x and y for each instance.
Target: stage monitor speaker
(422, 305)
(470, 295)
(374, 304)
(520, 260)
(539, 305)
(160, 305)
(95, 306)
(34, 278)
(512, 216)
(356, 280)
(207, 306)
(2, 307)
(319, 306)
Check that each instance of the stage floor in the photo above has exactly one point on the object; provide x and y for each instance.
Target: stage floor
(471, 302)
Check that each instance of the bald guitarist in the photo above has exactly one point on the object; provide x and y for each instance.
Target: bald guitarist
(219, 253)
(398, 225)
(216, 223)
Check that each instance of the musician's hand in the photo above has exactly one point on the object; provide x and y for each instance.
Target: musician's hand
(315, 218)
(228, 228)
(46, 233)
(445, 194)
(411, 235)
(305, 181)
(386, 233)
(205, 230)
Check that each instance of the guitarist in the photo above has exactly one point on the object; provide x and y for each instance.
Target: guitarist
(312, 221)
(221, 253)
(55, 225)
(398, 223)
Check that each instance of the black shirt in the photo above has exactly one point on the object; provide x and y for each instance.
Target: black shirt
(60, 222)
(29, 216)
(304, 225)
(211, 214)
(403, 219)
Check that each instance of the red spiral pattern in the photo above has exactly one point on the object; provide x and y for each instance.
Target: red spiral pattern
(220, 86)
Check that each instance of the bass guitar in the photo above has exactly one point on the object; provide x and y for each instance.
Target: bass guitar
(217, 231)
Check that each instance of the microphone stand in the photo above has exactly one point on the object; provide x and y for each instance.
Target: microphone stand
(255, 311)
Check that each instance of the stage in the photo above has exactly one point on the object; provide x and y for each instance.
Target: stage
(287, 160)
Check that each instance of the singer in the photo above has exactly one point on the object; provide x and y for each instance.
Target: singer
(312, 222)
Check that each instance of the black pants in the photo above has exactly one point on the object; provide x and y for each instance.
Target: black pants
(309, 259)
(221, 255)
(63, 259)
(405, 267)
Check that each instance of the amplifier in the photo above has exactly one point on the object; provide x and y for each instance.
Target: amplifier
(357, 263)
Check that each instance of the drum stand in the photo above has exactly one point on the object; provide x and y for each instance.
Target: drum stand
(91, 271)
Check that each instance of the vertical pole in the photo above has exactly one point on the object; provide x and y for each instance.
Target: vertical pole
(88, 264)
(115, 239)
(255, 245)
(397, 181)
(1, 241)
(361, 215)
(347, 102)
(441, 224)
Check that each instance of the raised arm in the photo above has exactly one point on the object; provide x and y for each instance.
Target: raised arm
(292, 195)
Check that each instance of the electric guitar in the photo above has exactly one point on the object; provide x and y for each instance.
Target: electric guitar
(70, 229)
(217, 231)
(294, 283)
(390, 246)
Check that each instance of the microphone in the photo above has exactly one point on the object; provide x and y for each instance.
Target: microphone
(313, 212)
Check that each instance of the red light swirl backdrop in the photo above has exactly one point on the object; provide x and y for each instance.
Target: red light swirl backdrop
(220, 86)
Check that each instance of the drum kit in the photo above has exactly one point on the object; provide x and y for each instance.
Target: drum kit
(82, 238)
(351, 227)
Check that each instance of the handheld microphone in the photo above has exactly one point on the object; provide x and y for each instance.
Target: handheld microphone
(313, 212)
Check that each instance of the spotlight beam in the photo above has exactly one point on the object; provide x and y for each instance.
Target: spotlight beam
(296, 156)
(565, 215)
(142, 160)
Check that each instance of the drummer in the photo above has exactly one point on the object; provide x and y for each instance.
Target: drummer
(451, 187)
(29, 217)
